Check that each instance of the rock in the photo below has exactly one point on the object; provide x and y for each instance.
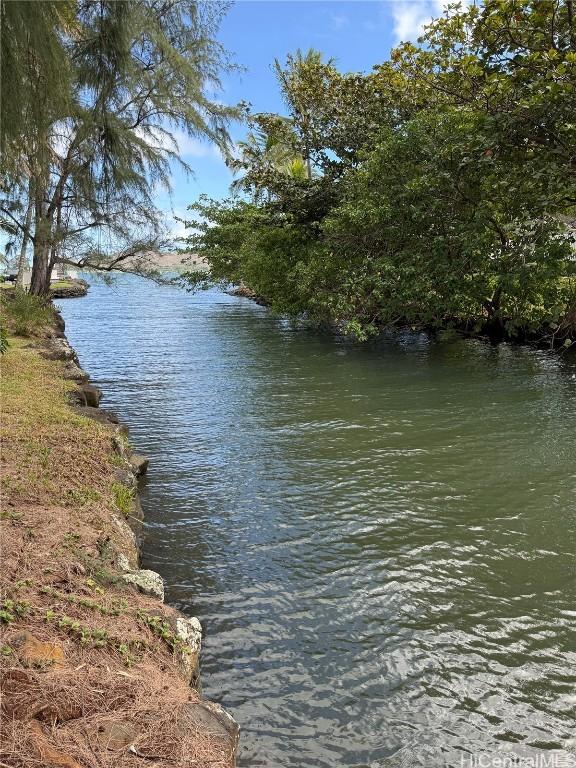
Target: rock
(125, 477)
(137, 511)
(34, 652)
(135, 516)
(123, 563)
(76, 397)
(59, 348)
(148, 582)
(71, 288)
(59, 323)
(122, 430)
(86, 395)
(247, 293)
(92, 395)
(128, 535)
(73, 372)
(211, 718)
(139, 464)
(118, 735)
(48, 754)
(120, 444)
(189, 630)
(98, 414)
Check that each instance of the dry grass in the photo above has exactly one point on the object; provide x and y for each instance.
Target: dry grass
(95, 662)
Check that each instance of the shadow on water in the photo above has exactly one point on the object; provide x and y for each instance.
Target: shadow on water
(379, 540)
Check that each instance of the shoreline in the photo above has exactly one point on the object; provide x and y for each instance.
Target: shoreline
(69, 288)
(78, 602)
(546, 338)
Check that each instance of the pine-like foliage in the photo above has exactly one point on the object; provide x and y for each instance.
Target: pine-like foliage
(34, 68)
(139, 70)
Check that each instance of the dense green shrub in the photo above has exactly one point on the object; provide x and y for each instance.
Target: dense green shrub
(26, 314)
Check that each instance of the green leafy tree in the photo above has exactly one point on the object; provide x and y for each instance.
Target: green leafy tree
(443, 186)
(258, 246)
(515, 62)
(435, 231)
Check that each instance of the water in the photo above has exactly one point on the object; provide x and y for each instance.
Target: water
(380, 541)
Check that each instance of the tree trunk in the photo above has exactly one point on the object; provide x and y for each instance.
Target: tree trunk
(308, 162)
(56, 238)
(40, 283)
(25, 239)
(494, 326)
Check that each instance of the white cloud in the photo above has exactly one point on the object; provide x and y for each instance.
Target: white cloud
(176, 228)
(410, 18)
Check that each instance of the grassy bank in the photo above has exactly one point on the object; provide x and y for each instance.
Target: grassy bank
(94, 672)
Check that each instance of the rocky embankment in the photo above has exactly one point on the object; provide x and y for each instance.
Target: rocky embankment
(247, 293)
(70, 288)
(95, 669)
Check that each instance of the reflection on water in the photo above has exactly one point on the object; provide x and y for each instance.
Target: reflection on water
(380, 541)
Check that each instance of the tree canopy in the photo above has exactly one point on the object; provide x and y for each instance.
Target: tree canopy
(439, 188)
(104, 84)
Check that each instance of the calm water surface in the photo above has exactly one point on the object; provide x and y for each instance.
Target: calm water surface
(380, 541)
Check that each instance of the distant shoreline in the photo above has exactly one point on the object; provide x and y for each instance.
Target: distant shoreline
(178, 262)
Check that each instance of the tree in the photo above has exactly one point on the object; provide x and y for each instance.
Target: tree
(256, 245)
(443, 182)
(435, 231)
(269, 152)
(34, 67)
(515, 62)
(321, 102)
(139, 71)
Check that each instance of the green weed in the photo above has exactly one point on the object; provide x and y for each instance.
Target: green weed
(162, 629)
(10, 610)
(93, 636)
(123, 498)
(4, 343)
(82, 496)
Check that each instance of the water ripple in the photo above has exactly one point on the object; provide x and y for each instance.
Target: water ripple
(379, 540)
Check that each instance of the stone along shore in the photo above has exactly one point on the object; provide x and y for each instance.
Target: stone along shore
(95, 669)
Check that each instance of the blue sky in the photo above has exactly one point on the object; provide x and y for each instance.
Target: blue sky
(357, 34)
